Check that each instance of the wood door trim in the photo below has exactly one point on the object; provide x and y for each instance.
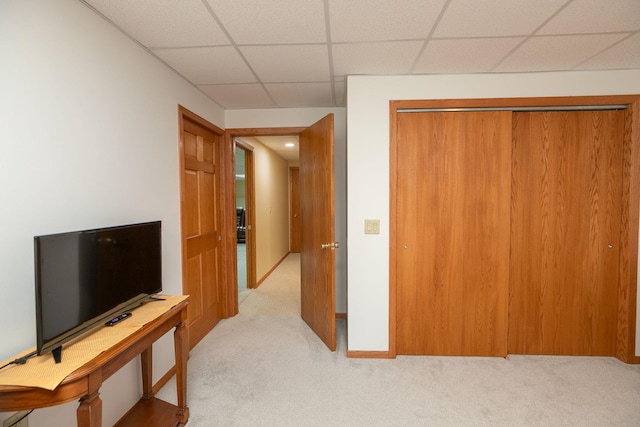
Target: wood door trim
(509, 103)
(628, 282)
(628, 276)
(244, 145)
(285, 131)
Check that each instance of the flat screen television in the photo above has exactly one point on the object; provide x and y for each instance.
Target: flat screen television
(84, 278)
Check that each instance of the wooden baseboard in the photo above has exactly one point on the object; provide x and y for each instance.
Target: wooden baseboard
(369, 355)
(634, 360)
(259, 282)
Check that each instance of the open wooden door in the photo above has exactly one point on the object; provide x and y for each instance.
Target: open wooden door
(317, 257)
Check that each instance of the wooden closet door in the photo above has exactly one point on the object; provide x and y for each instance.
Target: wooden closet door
(566, 199)
(453, 208)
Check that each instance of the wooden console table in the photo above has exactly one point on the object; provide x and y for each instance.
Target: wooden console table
(84, 383)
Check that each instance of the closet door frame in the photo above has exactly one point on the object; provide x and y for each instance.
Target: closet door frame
(630, 217)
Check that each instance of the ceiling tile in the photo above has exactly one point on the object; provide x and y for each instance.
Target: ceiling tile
(556, 52)
(625, 54)
(238, 96)
(273, 21)
(339, 90)
(289, 63)
(366, 20)
(208, 65)
(490, 18)
(274, 53)
(595, 16)
(170, 23)
(375, 58)
(464, 55)
(301, 94)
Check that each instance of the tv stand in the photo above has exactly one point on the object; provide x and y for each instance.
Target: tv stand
(84, 383)
(57, 354)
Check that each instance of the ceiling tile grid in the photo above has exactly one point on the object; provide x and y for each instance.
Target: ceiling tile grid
(272, 21)
(289, 63)
(296, 53)
(382, 20)
(208, 65)
(556, 52)
(473, 18)
(169, 23)
(455, 56)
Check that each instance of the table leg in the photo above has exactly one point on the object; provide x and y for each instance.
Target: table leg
(146, 357)
(89, 413)
(182, 354)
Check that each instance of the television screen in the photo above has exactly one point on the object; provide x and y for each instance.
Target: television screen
(86, 277)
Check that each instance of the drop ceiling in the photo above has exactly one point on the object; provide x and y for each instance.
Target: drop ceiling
(297, 53)
(286, 147)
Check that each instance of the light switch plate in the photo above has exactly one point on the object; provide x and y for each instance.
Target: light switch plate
(371, 226)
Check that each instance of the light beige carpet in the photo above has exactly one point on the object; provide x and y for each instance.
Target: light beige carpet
(264, 367)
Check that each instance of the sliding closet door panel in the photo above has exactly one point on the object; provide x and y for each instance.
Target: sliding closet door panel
(453, 201)
(566, 207)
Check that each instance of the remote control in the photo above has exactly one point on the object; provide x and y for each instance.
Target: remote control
(117, 319)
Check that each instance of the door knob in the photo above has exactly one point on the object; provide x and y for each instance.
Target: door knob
(334, 245)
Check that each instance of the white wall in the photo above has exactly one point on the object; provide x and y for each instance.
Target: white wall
(368, 168)
(89, 139)
(299, 117)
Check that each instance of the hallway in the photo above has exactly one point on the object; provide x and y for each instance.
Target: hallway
(243, 291)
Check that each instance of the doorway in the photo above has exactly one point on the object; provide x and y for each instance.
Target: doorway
(262, 198)
(241, 224)
(317, 218)
(244, 233)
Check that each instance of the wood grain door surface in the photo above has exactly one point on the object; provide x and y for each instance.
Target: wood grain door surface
(294, 213)
(201, 229)
(317, 228)
(453, 209)
(566, 212)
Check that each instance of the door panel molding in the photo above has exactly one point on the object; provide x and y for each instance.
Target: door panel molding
(202, 184)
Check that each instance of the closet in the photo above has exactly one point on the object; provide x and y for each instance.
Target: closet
(511, 229)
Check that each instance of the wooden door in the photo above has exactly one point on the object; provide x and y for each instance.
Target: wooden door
(566, 197)
(453, 196)
(317, 264)
(246, 150)
(201, 230)
(294, 211)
